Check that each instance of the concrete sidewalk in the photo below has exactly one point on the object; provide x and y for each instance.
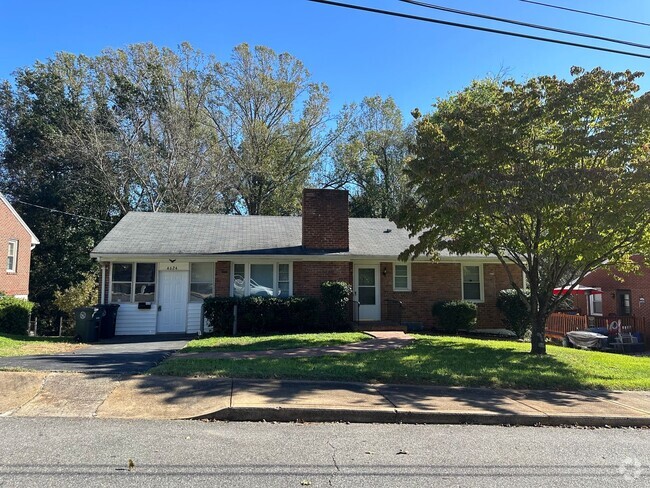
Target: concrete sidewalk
(161, 397)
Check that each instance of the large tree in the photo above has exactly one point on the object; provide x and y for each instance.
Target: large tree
(147, 135)
(38, 173)
(272, 124)
(370, 158)
(551, 176)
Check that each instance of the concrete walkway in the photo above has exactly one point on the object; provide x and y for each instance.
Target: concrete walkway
(381, 341)
(161, 397)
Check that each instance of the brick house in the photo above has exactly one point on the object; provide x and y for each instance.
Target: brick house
(624, 294)
(160, 266)
(19, 241)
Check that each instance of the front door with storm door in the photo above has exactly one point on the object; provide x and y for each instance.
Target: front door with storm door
(172, 302)
(366, 292)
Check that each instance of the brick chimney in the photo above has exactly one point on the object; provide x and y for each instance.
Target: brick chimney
(325, 220)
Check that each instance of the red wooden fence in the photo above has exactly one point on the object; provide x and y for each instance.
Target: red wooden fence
(558, 324)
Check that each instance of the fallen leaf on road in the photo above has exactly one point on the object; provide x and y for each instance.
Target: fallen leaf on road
(131, 465)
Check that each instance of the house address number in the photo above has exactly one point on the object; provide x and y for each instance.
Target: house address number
(173, 266)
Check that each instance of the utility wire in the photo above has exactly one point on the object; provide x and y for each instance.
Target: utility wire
(525, 24)
(586, 12)
(477, 28)
(64, 213)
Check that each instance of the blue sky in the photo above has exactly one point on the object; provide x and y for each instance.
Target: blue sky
(354, 53)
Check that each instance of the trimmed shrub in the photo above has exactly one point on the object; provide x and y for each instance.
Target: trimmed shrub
(262, 315)
(335, 296)
(515, 312)
(14, 315)
(81, 294)
(454, 316)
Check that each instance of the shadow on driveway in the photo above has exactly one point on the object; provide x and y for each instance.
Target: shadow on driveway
(117, 356)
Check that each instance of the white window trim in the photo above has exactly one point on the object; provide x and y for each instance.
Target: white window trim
(247, 273)
(189, 297)
(481, 281)
(591, 304)
(134, 265)
(408, 276)
(15, 255)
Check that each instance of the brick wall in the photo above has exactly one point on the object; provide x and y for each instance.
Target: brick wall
(325, 219)
(308, 275)
(222, 279)
(11, 229)
(433, 282)
(637, 283)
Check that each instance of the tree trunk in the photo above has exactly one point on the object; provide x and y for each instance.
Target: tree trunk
(538, 336)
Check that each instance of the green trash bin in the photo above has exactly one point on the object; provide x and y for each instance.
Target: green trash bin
(108, 318)
(86, 324)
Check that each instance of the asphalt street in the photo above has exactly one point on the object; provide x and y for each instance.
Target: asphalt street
(76, 452)
(120, 355)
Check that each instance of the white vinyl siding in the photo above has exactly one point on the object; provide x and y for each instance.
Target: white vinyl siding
(193, 317)
(472, 282)
(133, 321)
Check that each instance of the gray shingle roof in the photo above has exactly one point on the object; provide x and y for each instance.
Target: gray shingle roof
(146, 233)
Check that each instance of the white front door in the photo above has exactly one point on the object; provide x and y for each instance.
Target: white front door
(172, 301)
(366, 292)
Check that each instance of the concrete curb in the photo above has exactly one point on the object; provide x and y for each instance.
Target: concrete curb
(397, 416)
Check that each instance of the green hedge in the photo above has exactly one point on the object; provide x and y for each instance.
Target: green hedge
(515, 311)
(454, 316)
(14, 315)
(336, 298)
(262, 315)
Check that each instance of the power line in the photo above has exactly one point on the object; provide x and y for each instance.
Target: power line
(524, 24)
(586, 12)
(64, 213)
(477, 28)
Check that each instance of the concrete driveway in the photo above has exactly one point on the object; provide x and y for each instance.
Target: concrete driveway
(118, 356)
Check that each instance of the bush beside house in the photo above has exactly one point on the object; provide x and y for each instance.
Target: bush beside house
(81, 294)
(515, 312)
(14, 315)
(265, 315)
(262, 315)
(335, 297)
(454, 316)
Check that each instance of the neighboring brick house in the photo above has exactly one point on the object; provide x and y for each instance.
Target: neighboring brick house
(18, 241)
(160, 266)
(624, 294)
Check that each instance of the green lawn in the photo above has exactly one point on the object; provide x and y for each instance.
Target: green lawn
(13, 345)
(260, 343)
(443, 361)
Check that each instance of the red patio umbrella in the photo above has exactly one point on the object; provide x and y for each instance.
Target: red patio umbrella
(578, 290)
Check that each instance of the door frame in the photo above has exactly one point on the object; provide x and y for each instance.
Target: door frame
(355, 280)
(159, 298)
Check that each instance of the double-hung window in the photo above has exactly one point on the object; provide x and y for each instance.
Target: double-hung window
(261, 279)
(596, 304)
(133, 282)
(12, 256)
(201, 281)
(472, 283)
(401, 277)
